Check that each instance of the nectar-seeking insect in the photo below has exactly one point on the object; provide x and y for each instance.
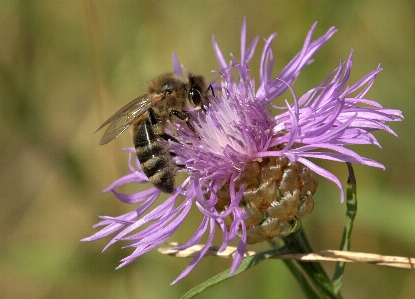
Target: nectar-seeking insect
(166, 98)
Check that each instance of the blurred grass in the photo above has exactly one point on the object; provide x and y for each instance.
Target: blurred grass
(66, 66)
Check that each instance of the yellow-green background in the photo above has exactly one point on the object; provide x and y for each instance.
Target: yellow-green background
(65, 66)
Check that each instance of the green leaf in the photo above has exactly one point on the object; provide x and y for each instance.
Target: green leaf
(351, 205)
(247, 263)
(301, 278)
(310, 275)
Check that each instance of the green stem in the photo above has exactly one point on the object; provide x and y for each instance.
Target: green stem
(305, 284)
(311, 275)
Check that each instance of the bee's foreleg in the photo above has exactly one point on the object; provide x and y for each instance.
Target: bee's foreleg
(184, 116)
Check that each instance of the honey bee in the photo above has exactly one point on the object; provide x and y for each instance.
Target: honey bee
(166, 98)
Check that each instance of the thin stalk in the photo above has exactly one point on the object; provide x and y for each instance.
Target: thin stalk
(310, 275)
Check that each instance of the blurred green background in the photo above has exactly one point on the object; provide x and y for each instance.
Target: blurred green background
(65, 66)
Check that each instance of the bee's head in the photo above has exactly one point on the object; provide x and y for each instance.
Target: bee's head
(198, 91)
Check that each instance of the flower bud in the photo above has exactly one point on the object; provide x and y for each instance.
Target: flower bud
(277, 193)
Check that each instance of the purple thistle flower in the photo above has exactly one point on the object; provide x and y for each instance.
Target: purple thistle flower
(236, 134)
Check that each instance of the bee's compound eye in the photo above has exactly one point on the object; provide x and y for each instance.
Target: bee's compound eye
(195, 96)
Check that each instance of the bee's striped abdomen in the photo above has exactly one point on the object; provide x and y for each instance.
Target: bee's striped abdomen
(154, 157)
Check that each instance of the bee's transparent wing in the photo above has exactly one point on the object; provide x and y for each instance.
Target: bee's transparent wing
(127, 115)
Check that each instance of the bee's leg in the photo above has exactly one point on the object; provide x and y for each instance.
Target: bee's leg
(184, 116)
(158, 129)
(181, 166)
(168, 137)
(155, 121)
(210, 87)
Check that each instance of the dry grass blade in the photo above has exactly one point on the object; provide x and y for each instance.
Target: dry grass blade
(325, 255)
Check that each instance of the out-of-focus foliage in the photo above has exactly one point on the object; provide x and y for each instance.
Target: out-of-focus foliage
(65, 66)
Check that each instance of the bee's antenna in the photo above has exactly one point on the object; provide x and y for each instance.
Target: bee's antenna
(210, 87)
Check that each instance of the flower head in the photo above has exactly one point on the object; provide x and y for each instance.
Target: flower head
(249, 172)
